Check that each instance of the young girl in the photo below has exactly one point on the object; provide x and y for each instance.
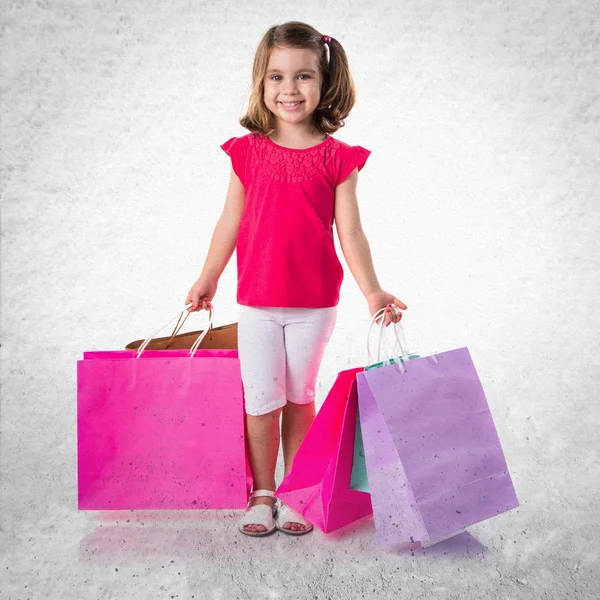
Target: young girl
(289, 182)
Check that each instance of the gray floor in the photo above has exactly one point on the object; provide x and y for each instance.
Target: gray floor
(112, 114)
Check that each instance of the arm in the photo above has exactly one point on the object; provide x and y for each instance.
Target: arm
(353, 240)
(356, 249)
(221, 248)
(224, 236)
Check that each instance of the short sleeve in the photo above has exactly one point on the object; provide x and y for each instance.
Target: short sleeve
(353, 157)
(234, 147)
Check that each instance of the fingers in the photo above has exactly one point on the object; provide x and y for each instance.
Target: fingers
(393, 313)
(198, 304)
(188, 300)
(386, 316)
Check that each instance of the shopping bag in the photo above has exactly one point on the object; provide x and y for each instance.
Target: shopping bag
(161, 429)
(317, 485)
(222, 337)
(359, 479)
(358, 475)
(434, 461)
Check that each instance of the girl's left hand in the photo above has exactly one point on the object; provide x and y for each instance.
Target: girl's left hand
(381, 299)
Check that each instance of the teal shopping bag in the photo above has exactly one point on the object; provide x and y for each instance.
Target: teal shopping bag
(359, 480)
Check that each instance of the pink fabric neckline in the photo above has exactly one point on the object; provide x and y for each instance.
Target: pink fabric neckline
(299, 149)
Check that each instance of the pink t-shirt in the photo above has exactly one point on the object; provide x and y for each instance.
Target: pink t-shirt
(285, 249)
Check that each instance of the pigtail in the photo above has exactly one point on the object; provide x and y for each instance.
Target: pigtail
(338, 94)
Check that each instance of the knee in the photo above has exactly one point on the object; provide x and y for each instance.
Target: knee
(299, 402)
(264, 414)
(258, 407)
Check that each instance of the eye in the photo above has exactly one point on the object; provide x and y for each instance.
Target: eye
(301, 75)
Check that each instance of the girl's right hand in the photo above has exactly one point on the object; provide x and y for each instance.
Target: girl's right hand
(201, 294)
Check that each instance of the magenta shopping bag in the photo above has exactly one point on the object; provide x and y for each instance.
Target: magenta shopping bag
(162, 431)
(434, 461)
(318, 484)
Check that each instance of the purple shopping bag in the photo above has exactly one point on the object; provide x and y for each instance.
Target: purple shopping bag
(434, 461)
(162, 431)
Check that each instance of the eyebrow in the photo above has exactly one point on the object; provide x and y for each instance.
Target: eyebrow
(298, 71)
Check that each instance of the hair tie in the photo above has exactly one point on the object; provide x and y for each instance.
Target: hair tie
(326, 39)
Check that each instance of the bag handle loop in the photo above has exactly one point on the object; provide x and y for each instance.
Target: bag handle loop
(178, 316)
(399, 348)
(178, 326)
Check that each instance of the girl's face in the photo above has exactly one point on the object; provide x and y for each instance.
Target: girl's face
(292, 76)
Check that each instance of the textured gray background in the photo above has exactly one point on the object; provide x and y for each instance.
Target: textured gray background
(480, 201)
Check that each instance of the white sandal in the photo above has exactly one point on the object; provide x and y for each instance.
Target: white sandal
(260, 514)
(287, 514)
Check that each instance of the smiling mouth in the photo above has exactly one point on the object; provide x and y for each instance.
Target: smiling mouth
(291, 104)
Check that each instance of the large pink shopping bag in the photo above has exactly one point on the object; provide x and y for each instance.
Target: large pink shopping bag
(161, 431)
(318, 484)
(434, 461)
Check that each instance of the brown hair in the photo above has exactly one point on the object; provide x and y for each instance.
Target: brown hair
(337, 91)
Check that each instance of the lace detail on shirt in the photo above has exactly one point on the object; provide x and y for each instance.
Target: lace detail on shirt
(288, 165)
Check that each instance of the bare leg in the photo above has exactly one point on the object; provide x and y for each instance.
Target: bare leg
(296, 421)
(263, 447)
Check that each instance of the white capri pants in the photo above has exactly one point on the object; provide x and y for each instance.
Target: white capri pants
(280, 351)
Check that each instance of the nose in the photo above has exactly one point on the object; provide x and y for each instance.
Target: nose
(289, 87)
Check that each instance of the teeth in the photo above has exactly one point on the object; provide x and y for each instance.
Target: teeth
(289, 103)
